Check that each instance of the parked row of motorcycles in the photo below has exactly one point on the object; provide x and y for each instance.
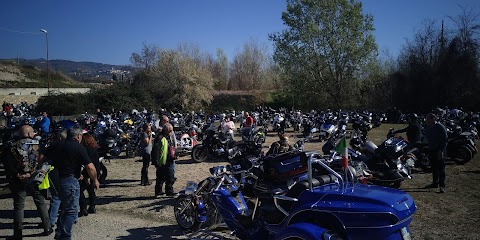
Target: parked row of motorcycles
(310, 195)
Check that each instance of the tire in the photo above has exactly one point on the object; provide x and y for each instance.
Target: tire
(397, 184)
(186, 213)
(306, 231)
(423, 162)
(199, 153)
(463, 155)
(102, 173)
(115, 152)
(131, 151)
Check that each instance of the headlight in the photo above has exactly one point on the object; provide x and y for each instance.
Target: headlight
(399, 166)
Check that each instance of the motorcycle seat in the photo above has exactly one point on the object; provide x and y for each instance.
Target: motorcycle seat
(297, 189)
(317, 181)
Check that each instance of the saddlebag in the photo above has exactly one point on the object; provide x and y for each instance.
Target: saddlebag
(281, 167)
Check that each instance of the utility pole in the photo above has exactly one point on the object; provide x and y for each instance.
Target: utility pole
(48, 67)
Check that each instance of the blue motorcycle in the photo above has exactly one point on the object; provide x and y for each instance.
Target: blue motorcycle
(325, 205)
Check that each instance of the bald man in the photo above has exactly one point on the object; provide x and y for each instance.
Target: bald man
(20, 164)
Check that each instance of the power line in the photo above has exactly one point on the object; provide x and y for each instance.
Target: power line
(14, 31)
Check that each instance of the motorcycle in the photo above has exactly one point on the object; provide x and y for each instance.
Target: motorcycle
(214, 145)
(195, 199)
(390, 163)
(461, 147)
(323, 206)
(132, 149)
(278, 123)
(186, 140)
(327, 128)
(108, 143)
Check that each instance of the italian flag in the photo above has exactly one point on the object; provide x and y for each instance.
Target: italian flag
(342, 149)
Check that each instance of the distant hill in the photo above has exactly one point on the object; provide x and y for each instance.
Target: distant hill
(81, 71)
(21, 76)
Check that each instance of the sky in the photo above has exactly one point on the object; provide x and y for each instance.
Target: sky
(109, 31)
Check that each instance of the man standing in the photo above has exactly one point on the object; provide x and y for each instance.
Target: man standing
(68, 156)
(228, 127)
(163, 157)
(248, 120)
(45, 123)
(437, 144)
(20, 163)
(413, 130)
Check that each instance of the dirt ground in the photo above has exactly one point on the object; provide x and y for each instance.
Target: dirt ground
(127, 210)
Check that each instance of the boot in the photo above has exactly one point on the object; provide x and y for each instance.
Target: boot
(83, 212)
(158, 190)
(91, 209)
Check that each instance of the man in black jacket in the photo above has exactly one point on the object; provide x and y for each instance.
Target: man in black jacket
(437, 144)
(68, 157)
(413, 130)
(20, 162)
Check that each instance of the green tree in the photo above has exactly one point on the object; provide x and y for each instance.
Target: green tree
(325, 44)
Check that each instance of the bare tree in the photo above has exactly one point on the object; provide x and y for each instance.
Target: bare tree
(468, 30)
(248, 66)
(147, 58)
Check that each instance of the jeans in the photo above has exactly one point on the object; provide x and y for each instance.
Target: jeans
(19, 192)
(437, 161)
(69, 196)
(54, 206)
(146, 158)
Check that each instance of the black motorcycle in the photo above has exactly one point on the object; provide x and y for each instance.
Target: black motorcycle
(108, 143)
(215, 145)
(462, 148)
(390, 163)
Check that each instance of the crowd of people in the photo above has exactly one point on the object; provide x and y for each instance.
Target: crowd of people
(68, 156)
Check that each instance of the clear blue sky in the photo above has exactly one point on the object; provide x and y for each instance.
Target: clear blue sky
(109, 31)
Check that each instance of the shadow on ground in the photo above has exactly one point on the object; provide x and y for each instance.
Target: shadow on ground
(164, 232)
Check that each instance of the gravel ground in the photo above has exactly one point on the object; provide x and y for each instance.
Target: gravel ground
(127, 210)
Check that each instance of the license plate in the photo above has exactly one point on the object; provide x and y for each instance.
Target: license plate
(405, 234)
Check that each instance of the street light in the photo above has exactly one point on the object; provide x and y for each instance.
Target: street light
(48, 68)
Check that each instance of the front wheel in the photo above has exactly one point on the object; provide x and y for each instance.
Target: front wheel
(199, 153)
(131, 151)
(185, 212)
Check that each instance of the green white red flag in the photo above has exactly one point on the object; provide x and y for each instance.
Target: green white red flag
(342, 149)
